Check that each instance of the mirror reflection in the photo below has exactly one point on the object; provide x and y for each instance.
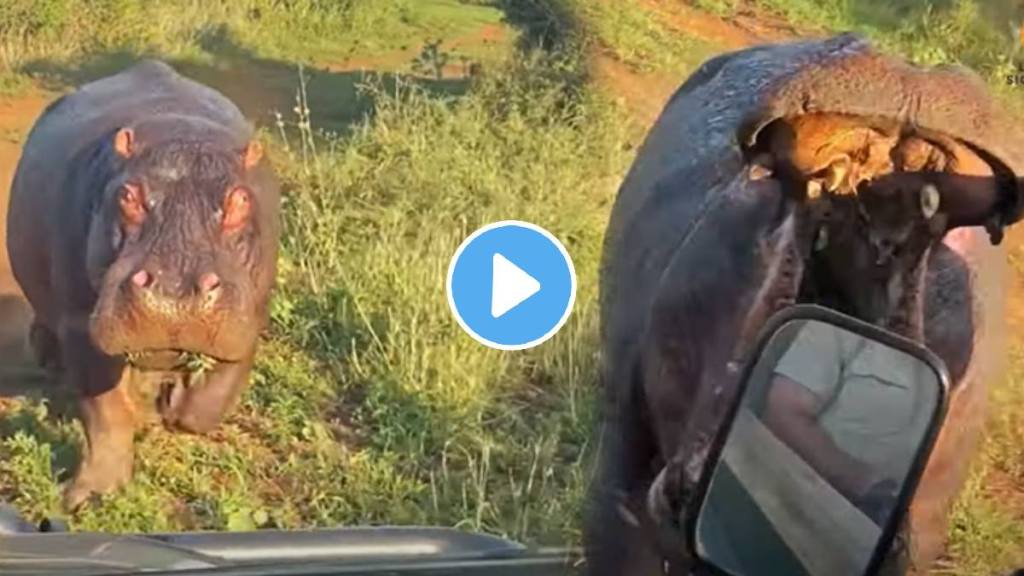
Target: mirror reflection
(814, 462)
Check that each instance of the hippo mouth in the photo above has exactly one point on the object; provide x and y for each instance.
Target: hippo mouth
(170, 360)
(171, 333)
(875, 200)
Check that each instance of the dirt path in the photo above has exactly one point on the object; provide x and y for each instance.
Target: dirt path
(646, 93)
(744, 28)
(16, 117)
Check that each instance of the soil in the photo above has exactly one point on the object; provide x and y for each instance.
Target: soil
(16, 117)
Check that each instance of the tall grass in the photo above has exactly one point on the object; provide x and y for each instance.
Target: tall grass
(294, 30)
(372, 223)
(969, 32)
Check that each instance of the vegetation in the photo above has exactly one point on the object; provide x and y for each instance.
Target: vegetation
(986, 532)
(982, 35)
(638, 38)
(368, 404)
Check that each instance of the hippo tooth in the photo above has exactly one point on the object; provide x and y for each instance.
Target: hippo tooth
(759, 172)
(813, 189)
(930, 200)
(627, 515)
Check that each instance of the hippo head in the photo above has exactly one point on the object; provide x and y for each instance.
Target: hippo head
(182, 246)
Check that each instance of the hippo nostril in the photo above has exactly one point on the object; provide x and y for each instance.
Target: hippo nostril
(142, 279)
(209, 282)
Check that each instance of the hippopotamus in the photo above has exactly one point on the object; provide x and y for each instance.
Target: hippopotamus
(821, 172)
(143, 229)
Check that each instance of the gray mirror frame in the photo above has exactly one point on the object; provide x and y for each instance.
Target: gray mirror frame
(861, 328)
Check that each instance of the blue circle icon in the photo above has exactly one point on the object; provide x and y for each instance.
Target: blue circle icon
(511, 285)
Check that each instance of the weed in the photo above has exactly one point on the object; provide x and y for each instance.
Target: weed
(431, 60)
(719, 7)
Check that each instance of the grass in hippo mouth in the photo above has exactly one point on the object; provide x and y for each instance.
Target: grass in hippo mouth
(192, 362)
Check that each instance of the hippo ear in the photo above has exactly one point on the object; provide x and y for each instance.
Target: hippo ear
(124, 142)
(252, 154)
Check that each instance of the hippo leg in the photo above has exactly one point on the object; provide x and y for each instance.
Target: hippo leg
(200, 406)
(45, 346)
(108, 416)
(620, 538)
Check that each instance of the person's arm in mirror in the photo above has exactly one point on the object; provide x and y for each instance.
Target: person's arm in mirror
(792, 414)
(807, 378)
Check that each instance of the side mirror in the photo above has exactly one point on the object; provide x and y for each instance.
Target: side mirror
(813, 472)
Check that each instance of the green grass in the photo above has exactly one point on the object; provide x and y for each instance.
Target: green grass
(35, 32)
(637, 37)
(987, 525)
(977, 34)
(719, 7)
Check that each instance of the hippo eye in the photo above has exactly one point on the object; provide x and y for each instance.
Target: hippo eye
(133, 204)
(237, 205)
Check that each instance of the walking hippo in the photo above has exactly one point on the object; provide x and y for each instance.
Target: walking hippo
(143, 227)
(817, 172)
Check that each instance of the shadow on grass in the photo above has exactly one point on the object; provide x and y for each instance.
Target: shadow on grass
(545, 24)
(20, 375)
(258, 86)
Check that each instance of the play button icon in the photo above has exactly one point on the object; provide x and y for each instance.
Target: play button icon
(511, 285)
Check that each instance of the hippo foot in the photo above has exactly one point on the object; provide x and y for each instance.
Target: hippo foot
(95, 477)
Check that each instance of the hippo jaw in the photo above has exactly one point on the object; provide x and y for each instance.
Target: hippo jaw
(123, 329)
(169, 360)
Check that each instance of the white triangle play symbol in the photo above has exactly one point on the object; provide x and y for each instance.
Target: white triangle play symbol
(510, 286)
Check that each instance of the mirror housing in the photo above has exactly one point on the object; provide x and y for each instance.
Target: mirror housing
(817, 478)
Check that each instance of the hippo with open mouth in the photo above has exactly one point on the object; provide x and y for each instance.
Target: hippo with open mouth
(143, 226)
(817, 172)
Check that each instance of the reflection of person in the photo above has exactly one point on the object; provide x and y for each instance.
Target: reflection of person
(853, 409)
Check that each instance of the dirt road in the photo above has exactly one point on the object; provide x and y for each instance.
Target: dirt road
(16, 117)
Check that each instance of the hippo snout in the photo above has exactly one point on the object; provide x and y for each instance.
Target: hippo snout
(174, 294)
(152, 308)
